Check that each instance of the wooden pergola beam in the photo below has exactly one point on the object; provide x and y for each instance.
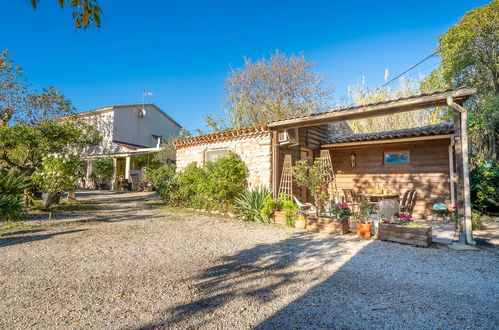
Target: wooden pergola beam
(376, 110)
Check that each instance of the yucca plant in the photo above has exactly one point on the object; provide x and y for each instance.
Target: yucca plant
(11, 208)
(13, 183)
(250, 204)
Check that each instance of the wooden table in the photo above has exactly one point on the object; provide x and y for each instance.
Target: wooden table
(377, 197)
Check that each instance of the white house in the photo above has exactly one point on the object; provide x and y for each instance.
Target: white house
(127, 130)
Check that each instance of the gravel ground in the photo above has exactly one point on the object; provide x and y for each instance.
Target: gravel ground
(138, 268)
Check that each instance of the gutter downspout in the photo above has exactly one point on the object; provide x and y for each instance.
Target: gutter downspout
(466, 173)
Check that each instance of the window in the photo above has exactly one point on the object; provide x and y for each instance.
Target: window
(396, 157)
(214, 154)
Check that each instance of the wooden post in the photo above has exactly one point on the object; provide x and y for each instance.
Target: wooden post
(275, 165)
(459, 183)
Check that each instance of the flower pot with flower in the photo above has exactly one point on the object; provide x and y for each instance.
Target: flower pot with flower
(364, 219)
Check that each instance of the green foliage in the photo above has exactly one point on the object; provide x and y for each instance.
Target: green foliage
(341, 210)
(104, 169)
(469, 50)
(270, 205)
(476, 220)
(23, 147)
(85, 11)
(165, 181)
(315, 177)
(13, 183)
(226, 178)
(12, 87)
(11, 208)
(249, 204)
(58, 173)
(215, 187)
(485, 186)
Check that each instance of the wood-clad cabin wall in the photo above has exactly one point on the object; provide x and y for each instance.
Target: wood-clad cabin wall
(310, 138)
(428, 171)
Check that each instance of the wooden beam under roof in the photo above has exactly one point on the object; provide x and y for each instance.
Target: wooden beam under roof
(377, 109)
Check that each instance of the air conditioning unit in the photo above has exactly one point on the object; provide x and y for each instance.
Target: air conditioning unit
(288, 136)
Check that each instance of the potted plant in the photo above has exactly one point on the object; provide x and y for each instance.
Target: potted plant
(301, 220)
(406, 231)
(281, 211)
(363, 220)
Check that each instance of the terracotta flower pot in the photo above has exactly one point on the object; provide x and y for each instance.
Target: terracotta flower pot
(301, 222)
(364, 230)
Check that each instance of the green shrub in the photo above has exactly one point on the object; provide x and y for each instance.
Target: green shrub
(226, 178)
(476, 220)
(191, 190)
(485, 187)
(165, 180)
(250, 204)
(11, 208)
(13, 183)
(104, 169)
(271, 205)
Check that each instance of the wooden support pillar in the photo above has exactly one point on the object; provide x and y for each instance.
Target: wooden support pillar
(458, 180)
(275, 165)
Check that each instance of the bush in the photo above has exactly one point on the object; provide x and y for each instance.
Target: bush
(476, 220)
(164, 179)
(271, 205)
(104, 169)
(250, 204)
(216, 187)
(13, 183)
(226, 178)
(485, 187)
(11, 208)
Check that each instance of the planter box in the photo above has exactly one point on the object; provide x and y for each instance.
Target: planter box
(279, 218)
(406, 235)
(328, 225)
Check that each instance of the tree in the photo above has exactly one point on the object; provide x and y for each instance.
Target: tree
(469, 56)
(86, 11)
(42, 106)
(362, 94)
(167, 152)
(23, 148)
(271, 89)
(469, 50)
(12, 87)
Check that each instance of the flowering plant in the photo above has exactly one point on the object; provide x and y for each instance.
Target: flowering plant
(58, 173)
(405, 219)
(455, 212)
(341, 210)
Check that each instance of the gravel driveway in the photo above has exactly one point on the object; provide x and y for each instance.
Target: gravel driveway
(138, 268)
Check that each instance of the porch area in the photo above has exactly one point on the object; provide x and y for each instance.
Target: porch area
(426, 165)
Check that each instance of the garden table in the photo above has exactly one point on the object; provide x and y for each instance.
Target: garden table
(373, 198)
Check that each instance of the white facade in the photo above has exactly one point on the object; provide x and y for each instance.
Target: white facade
(132, 125)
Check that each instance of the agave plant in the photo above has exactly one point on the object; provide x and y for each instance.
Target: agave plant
(250, 203)
(13, 183)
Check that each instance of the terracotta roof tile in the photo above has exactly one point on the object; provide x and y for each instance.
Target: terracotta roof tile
(439, 129)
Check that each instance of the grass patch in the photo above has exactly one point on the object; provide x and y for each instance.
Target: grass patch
(79, 206)
(10, 225)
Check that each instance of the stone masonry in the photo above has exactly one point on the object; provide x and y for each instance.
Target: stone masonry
(254, 151)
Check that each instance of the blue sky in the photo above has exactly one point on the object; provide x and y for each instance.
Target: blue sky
(181, 50)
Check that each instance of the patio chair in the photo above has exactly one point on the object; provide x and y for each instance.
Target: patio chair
(408, 202)
(388, 208)
(304, 207)
(352, 199)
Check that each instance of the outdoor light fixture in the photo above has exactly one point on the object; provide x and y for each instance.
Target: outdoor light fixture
(353, 159)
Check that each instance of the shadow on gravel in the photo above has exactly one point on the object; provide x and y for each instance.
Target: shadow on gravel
(8, 241)
(238, 276)
(383, 285)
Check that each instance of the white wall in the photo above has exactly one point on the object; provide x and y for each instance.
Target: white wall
(129, 127)
(103, 123)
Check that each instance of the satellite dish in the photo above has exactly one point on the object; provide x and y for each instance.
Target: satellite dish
(142, 113)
